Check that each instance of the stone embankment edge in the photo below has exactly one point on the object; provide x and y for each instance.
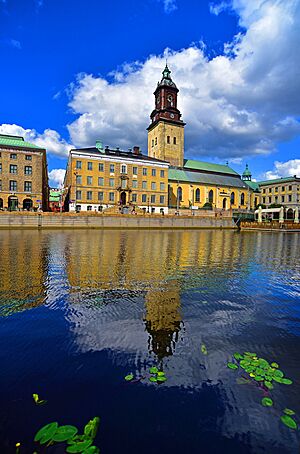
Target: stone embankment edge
(14, 221)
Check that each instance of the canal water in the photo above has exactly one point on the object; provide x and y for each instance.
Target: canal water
(79, 310)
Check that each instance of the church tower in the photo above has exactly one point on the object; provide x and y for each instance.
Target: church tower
(166, 131)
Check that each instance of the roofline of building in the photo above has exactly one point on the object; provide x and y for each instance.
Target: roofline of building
(278, 180)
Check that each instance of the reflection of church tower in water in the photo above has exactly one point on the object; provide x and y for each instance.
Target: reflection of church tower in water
(163, 319)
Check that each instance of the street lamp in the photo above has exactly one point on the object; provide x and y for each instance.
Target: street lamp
(148, 205)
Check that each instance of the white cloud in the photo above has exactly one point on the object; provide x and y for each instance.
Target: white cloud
(284, 169)
(56, 177)
(169, 6)
(217, 8)
(10, 42)
(241, 103)
(49, 139)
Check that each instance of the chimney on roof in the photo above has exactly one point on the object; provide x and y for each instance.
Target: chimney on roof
(136, 150)
(99, 145)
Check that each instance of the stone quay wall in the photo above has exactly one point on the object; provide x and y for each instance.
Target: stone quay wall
(101, 221)
(271, 226)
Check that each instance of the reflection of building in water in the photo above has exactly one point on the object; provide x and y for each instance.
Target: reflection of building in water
(163, 319)
(23, 270)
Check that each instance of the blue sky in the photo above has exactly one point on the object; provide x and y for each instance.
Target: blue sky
(76, 71)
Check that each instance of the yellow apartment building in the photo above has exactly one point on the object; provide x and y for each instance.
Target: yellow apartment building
(99, 178)
(23, 175)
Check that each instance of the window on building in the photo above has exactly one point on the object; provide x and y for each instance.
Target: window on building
(290, 198)
(0, 167)
(270, 189)
(276, 189)
(283, 188)
(232, 198)
(290, 188)
(27, 186)
(89, 180)
(197, 195)
(112, 168)
(12, 185)
(100, 181)
(78, 208)
(78, 195)
(144, 198)
(89, 208)
(155, 140)
(123, 168)
(28, 157)
(101, 167)
(152, 198)
(134, 197)
(90, 166)
(179, 194)
(211, 196)
(111, 196)
(100, 196)
(162, 199)
(144, 171)
(111, 182)
(78, 179)
(13, 168)
(13, 156)
(162, 186)
(152, 142)
(264, 200)
(153, 172)
(144, 184)
(168, 139)
(89, 195)
(255, 201)
(134, 170)
(242, 198)
(276, 198)
(134, 184)
(153, 186)
(270, 199)
(282, 198)
(174, 140)
(123, 184)
(78, 164)
(162, 174)
(264, 191)
(28, 170)
(0, 185)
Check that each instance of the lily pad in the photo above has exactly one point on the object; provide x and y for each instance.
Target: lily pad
(153, 379)
(289, 422)
(46, 433)
(258, 378)
(161, 379)
(289, 412)
(267, 402)
(80, 446)
(232, 366)
(275, 365)
(160, 374)
(286, 381)
(129, 377)
(37, 400)
(64, 433)
(278, 373)
(268, 385)
(238, 356)
(153, 370)
(91, 450)
(91, 428)
(250, 354)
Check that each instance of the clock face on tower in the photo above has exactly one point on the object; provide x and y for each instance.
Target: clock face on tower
(170, 100)
(172, 115)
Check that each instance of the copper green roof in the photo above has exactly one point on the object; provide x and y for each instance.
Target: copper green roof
(208, 167)
(278, 180)
(253, 185)
(181, 175)
(16, 141)
(247, 172)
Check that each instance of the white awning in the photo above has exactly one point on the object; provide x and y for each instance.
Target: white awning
(269, 210)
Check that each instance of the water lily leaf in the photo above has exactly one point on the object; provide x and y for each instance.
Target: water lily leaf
(232, 366)
(267, 402)
(252, 375)
(153, 379)
(91, 450)
(64, 433)
(161, 379)
(80, 446)
(258, 378)
(250, 354)
(263, 363)
(204, 349)
(91, 427)
(278, 373)
(259, 371)
(129, 377)
(160, 374)
(289, 412)
(37, 400)
(289, 422)
(286, 381)
(238, 356)
(46, 433)
(277, 379)
(268, 385)
(153, 370)
(275, 365)
(244, 364)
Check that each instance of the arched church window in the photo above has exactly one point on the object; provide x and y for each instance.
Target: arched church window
(211, 196)
(232, 198)
(168, 139)
(242, 198)
(179, 194)
(174, 140)
(197, 195)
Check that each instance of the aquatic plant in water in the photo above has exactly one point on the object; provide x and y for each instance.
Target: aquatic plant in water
(156, 376)
(37, 400)
(265, 375)
(53, 433)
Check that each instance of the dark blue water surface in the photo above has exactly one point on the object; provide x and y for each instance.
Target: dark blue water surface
(81, 309)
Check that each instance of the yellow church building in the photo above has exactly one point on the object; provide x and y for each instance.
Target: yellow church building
(191, 184)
